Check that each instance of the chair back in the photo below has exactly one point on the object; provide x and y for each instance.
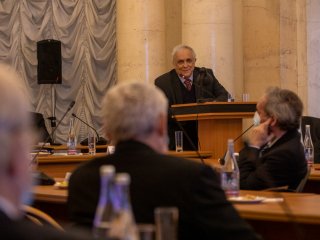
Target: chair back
(303, 181)
(39, 217)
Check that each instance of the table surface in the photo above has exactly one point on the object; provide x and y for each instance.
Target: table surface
(297, 207)
(78, 157)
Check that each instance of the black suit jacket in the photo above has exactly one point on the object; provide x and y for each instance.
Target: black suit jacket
(283, 164)
(26, 230)
(170, 84)
(161, 180)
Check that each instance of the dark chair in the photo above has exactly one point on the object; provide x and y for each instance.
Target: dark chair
(40, 127)
(315, 134)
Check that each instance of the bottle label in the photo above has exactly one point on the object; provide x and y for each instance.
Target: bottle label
(230, 183)
(309, 156)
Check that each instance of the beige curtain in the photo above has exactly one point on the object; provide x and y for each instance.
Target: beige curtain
(86, 29)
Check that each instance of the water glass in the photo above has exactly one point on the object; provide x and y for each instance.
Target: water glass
(166, 219)
(146, 231)
(179, 141)
(92, 142)
(245, 97)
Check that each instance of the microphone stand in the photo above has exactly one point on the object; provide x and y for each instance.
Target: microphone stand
(99, 140)
(199, 83)
(33, 161)
(221, 160)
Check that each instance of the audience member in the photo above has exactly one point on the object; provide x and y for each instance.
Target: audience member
(135, 119)
(274, 155)
(15, 174)
(183, 85)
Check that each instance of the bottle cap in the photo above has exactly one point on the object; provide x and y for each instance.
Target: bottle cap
(107, 169)
(122, 178)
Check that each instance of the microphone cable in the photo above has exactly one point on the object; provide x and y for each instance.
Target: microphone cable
(186, 135)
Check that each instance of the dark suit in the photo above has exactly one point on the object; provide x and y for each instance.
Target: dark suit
(161, 180)
(26, 230)
(283, 164)
(173, 88)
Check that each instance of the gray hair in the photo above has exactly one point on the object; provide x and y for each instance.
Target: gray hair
(285, 106)
(131, 110)
(14, 105)
(182, 46)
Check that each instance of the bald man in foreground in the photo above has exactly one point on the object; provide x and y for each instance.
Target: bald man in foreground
(15, 173)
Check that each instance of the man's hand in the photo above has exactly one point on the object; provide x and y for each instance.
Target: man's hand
(260, 134)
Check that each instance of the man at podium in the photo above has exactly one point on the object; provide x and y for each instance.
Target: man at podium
(188, 84)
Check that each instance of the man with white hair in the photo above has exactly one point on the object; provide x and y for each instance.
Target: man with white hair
(187, 83)
(135, 119)
(15, 174)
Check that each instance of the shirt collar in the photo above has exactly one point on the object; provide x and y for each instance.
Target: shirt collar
(183, 79)
(9, 209)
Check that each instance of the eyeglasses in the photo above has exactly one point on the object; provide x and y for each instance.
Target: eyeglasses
(188, 61)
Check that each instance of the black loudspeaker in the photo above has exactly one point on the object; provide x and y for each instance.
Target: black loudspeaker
(49, 62)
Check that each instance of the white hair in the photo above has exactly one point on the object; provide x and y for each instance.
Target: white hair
(182, 46)
(14, 107)
(131, 110)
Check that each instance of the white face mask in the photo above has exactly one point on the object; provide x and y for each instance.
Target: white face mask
(256, 119)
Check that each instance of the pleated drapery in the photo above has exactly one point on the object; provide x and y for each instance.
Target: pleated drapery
(86, 29)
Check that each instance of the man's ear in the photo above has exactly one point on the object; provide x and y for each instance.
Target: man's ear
(273, 121)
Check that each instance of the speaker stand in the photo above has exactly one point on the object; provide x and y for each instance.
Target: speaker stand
(53, 118)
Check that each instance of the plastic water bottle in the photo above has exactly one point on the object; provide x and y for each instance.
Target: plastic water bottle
(123, 225)
(230, 172)
(104, 211)
(72, 139)
(308, 146)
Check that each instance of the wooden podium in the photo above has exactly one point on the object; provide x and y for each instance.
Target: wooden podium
(217, 122)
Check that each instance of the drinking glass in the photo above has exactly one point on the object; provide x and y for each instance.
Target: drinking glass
(92, 142)
(166, 219)
(179, 141)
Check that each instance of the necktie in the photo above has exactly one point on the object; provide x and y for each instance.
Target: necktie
(188, 84)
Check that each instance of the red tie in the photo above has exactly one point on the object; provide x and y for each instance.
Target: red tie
(188, 84)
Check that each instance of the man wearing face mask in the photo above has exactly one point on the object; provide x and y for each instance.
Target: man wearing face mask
(274, 155)
(182, 85)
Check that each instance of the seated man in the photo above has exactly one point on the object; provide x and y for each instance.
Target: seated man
(135, 119)
(15, 174)
(274, 155)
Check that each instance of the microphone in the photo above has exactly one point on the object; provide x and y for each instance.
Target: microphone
(186, 134)
(99, 140)
(202, 80)
(41, 177)
(221, 160)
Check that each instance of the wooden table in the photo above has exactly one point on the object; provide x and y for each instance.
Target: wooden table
(64, 147)
(313, 183)
(300, 212)
(57, 165)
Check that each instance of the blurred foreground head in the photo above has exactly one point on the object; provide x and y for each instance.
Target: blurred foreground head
(15, 139)
(136, 111)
